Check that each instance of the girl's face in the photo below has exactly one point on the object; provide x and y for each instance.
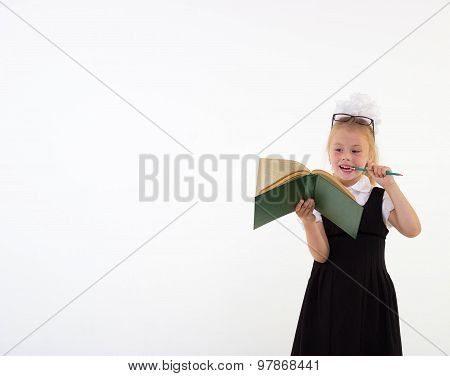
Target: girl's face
(348, 148)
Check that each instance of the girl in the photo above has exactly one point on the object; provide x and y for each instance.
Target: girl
(350, 304)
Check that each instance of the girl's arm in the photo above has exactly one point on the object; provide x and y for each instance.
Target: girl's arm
(402, 217)
(317, 241)
(315, 233)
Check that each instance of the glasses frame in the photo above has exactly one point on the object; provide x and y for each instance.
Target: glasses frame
(371, 122)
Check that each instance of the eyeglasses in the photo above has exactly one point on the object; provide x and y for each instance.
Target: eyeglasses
(357, 119)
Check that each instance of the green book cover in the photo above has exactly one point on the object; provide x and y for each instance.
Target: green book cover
(329, 200)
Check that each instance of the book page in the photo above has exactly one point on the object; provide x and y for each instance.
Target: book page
(274, 172)
(284, 180)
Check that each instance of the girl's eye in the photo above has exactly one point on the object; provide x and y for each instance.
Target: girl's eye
(354, 151)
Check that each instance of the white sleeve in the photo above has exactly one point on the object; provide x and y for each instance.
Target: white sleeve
(317, 215)
(387, 206)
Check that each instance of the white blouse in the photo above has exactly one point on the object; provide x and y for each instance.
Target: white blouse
(361, 190)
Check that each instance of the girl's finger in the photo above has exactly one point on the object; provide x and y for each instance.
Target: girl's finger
(379, 174)
(304, 208)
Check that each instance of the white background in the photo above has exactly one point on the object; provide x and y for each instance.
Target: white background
(221, 77)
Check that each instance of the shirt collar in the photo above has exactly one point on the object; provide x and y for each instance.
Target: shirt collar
(362, 185)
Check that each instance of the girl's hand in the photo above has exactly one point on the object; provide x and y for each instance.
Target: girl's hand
(304, 210)
(379, 173)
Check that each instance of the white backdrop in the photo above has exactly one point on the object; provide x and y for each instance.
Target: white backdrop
(220, 77)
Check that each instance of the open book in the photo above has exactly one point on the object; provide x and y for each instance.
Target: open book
(282, 183)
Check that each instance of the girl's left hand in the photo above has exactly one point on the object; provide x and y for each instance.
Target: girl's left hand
(379, 173)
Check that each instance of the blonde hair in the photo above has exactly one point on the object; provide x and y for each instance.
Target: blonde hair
(366, 131)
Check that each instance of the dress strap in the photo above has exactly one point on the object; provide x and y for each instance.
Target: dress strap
(372, 220)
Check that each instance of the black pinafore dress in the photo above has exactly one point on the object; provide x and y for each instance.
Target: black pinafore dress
(350, 304)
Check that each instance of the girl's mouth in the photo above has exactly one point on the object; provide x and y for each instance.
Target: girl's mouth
(346, 169)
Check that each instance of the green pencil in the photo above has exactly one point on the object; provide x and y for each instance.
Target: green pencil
(387, 172)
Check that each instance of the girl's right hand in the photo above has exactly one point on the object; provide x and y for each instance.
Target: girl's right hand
(304, 210)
